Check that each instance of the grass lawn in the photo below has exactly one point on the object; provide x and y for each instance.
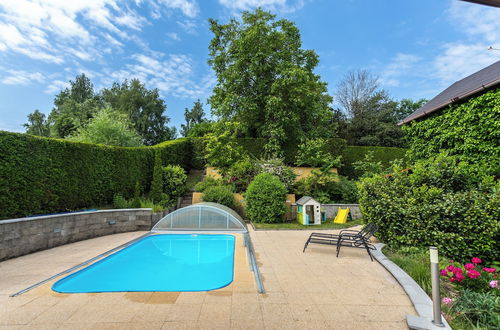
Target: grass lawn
(295, 225)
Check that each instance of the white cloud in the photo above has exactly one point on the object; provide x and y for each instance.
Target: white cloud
(283, 6)
(188, 8)
(23, 78)
(55, 86)
(189, 26)
(172, 74)
(400, 66)
(173, 36)
(480, 26)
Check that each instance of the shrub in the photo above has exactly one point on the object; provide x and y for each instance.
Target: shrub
(353, 154)
(327, 187)
(265, 199)
(314, 152)
(219, 194)
(157, 182)
(209, 182)
(43, 175)
(221, 149)
(174, 181)
(119, 202)
(242, 173)
(481, 309)
(473, 275)
(278, 168)
(441, 202)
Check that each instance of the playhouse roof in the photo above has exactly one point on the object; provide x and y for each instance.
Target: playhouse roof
(304, 199)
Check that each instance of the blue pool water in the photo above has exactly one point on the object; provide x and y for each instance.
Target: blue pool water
(169, 262)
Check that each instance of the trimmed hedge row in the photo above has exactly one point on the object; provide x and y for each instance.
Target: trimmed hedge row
(352, 154)
(43, 175)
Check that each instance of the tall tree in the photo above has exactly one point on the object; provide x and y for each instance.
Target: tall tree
(108, 127)
(37, 124)
(407, 107)
(265, 80)
(193, 116)
(355, 90)
(144, 107)
(73, 107)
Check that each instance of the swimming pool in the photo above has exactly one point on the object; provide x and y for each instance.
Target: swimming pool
(167, 262)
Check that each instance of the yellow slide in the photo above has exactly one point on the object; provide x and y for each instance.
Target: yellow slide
(341, 215)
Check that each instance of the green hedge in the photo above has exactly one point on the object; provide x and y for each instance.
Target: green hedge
(43, 175)
(352, 154)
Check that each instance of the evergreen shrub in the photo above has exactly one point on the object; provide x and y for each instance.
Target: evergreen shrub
(265, 199)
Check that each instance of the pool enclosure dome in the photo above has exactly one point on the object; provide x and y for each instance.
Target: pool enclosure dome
(202, 217)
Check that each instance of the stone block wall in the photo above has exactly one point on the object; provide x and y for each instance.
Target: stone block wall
(332, 209)
(26, 235)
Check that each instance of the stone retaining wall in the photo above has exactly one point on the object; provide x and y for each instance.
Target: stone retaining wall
(26, 235)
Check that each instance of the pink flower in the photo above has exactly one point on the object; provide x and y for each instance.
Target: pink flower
(489, 270)
(460, 277)
(476, 260)
(447, 300)
(469, 266)
(450, 268)
(457, 270)
(443, 272)
(473, 273)
(494, 284)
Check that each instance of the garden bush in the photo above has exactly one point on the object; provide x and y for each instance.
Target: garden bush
(352, 154)
(209, 182)
(265, 199)
(174, 181)
(479, 309)
(278, 168)
(241, 173)
(327, 187)
(43, 175)
(441, 202)
(219, 194)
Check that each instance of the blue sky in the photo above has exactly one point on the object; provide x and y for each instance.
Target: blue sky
(416, 47)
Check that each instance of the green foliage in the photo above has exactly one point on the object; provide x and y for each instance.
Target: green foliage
(44, 175)
(37, 124)
(144, 107)
(406, 107)
(119, 202)
(157, 182)
(174, 181)
(478, 309)
(265, 199)
(439, 202)
(208, 182)
(469, 130)
(201, 129)
(221, 149)
(241, 173)
(278, 168)
(368, 166)
(108, 127)
(219, 194)
(353, 154)
(327, 187)
(193, 117)
(313, 152)
(136, 201)
(266, 81)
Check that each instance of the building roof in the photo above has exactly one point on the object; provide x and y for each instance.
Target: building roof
(467, 87)
(493, 3)
(303, 200)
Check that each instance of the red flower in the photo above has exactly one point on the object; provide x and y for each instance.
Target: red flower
(443, 272)
(450, 268)
(473, 273)
(489, 270)
(457, 270)
(460, 277)
(469, 266)
(476, 261)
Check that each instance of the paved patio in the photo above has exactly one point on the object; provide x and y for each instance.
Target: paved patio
(311, 290)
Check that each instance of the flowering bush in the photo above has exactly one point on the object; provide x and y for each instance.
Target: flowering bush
(472, 275)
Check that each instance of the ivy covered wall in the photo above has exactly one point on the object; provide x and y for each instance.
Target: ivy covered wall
(470, 130)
